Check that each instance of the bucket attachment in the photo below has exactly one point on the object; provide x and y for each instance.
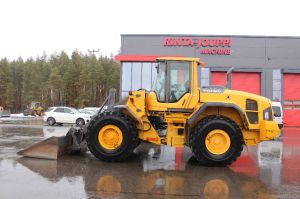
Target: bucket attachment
(51, 148)
(55, 147)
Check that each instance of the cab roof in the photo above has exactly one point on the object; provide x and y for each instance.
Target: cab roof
(201, 63)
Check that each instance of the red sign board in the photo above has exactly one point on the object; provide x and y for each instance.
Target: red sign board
(209, 46)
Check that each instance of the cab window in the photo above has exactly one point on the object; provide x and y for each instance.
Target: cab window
(160, 82)
(179, 80)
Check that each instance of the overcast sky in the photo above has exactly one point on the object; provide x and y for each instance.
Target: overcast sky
(31, 27)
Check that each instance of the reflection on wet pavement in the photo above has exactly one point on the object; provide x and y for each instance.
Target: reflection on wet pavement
(28, 120)
(270, 170)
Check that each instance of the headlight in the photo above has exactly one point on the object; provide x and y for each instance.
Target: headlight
(268, 114)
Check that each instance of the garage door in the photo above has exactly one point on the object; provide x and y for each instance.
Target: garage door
(249, 82)
(291, 95)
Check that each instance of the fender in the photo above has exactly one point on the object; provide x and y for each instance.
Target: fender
(216, 104)
(212, 104)
(130, 113)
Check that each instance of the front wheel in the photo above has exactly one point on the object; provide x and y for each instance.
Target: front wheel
(112, 136)
(216, 141)
(51, 121)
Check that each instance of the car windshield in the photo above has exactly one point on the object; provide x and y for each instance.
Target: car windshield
(74, 110)
(277, 111)
(49, 109)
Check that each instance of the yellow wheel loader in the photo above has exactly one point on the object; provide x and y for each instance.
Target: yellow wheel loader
(35, 109)
(215, 122)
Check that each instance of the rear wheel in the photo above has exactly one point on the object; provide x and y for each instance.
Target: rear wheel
(112, 136)
(216, 141)
(51, 121)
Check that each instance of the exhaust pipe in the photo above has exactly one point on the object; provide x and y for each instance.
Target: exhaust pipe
(229, 78)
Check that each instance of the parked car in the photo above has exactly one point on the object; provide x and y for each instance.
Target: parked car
(95, 110)
(4, 113)
(60, 115)
(278, 113)
(86, 111)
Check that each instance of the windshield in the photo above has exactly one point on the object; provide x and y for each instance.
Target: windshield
(178, 83)
(49, 109)
(74, 110)
(160, 80)
(277, 111)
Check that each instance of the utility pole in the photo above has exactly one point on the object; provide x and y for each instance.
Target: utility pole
(93, 51)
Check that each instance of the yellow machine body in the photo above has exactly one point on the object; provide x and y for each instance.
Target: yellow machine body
(215, 122)
(34, 109)
(180, 117)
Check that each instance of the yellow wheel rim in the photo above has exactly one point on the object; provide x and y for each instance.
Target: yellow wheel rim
(217, 142)
(217, 189)
(110, 137)
(108, 186)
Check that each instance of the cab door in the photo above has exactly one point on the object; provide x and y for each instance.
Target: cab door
(178, 84)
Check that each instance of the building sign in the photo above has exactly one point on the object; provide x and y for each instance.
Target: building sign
(208, 46)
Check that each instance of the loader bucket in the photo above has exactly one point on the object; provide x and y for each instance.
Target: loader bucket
(51, 148)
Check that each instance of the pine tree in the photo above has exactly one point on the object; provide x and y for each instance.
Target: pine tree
(79, 80)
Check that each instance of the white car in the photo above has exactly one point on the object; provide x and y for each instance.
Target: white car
(86, 112)
(278, 114)
(94, 109)
(59, 115)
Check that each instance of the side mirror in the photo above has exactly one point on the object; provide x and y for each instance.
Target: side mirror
(71, 112)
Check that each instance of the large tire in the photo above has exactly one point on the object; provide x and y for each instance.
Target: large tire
(129, 136)
(229, 129)
(51, 121)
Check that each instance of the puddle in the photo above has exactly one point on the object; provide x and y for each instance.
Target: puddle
(269, 170)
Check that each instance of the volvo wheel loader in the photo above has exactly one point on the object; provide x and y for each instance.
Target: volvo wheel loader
(215, 122)
(35, 109)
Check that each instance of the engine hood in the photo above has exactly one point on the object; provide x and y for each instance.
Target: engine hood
(221, 94)
(248, 95)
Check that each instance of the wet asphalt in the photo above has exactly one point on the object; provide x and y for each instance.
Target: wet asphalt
(269, 170)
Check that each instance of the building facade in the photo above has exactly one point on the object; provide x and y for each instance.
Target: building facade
(267, 66)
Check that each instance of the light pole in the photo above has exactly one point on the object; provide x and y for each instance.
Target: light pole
(93, 51)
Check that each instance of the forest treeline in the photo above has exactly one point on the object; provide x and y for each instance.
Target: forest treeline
(57, 80)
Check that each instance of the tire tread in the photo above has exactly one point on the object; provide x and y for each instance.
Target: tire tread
(237, 137)
(130, 125)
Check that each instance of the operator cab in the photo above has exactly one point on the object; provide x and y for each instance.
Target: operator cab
(175, 83)
(172, 80)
